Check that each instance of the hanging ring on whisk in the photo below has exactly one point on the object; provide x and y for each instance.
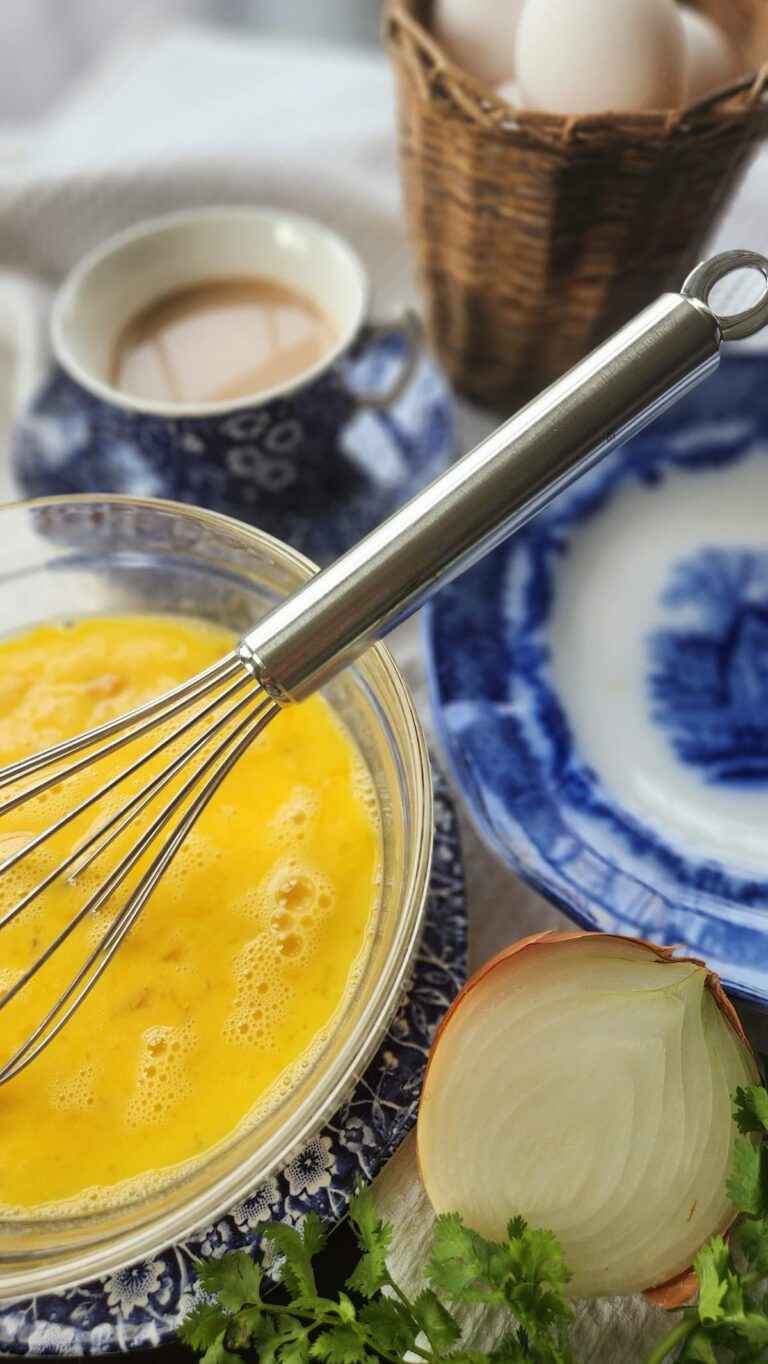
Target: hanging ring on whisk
(702, 280)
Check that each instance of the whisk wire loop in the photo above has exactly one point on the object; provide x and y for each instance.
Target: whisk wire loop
(218, 763)
(137, 722)
(91, 800)
(140, 802)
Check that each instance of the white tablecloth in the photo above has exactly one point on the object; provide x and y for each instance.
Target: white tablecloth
(191, 116)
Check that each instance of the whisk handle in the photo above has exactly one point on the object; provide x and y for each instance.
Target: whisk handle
(505, 480)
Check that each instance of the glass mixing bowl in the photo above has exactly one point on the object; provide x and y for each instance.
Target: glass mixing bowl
(93, 555)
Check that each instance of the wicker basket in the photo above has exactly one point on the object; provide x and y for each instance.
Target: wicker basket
(537, 235)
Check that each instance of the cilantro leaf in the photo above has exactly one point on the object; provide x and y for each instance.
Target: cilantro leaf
(390, 1324)
(217, 1353)
(205, 1330)
(712, 1265)
(370, 1232)
(316, 1305)
(369, 1275)
(243, 1327)
(298, 1248)
(463, 1265)
(537, 1257)
(728, 1315)
(751, 1237)
(313, 1235)
(527, 1274)
(751, 1109)
(754, 1329)
(203, 1325)
(440, 1328)
(373, 1237)
(346, 1308)
(294, 1351)
(747, 1186)
(538, 1308)
(698, 1349)
(234, 1279)
(340, 1345)
(510, 1351)
(268, 1342)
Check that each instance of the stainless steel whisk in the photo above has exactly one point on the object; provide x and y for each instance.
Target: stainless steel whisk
(324, 626)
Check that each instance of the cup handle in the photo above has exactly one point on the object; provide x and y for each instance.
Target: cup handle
(406, 324)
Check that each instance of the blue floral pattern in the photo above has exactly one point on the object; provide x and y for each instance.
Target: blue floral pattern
(709, 676)
(314, 468)
(140, 1306)
(508, 737)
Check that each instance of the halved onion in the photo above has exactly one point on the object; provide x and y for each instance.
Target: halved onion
(583, 1081)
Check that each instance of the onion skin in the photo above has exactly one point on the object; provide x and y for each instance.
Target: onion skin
(670, 1297)
(677, 1292)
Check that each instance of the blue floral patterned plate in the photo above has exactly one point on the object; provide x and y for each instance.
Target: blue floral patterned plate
(140, 1307)
(601, 683)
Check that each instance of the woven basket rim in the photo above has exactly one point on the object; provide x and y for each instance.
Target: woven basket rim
(439, 80)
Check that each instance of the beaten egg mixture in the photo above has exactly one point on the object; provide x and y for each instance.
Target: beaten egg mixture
(225, 988)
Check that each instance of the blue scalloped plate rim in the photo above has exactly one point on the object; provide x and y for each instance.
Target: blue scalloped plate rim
(140, 1307)
(494, 743)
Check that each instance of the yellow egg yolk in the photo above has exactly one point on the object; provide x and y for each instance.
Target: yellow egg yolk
(223, 991)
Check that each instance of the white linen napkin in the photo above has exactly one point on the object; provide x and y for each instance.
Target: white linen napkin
(186, 116)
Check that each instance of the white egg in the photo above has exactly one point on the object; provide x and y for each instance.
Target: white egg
(595, 56)
(479, 35)
(712, 62)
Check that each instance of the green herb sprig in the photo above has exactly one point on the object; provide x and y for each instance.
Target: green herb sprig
(730, 1321)
(376, 1322)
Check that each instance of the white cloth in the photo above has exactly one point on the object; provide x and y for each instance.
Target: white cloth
(187, 116)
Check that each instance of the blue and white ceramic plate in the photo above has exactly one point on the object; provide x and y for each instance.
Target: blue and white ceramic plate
(601, 683)
(141, 1306)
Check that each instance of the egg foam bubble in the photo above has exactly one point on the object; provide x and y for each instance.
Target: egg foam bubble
(227, 989)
